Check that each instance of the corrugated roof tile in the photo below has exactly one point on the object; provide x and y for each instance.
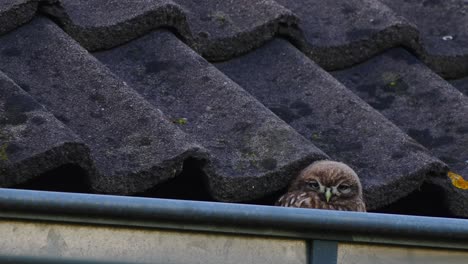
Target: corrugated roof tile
(443, 31)
(32, 140)
(340, 33)
(132, 119)
(389, 163)
(132, 144)
(14, 13)
(253, 152)
(417, 100)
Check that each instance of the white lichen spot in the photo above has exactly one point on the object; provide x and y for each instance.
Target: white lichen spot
(448, 37)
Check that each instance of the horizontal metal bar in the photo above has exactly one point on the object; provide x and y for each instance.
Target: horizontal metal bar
(233, 218)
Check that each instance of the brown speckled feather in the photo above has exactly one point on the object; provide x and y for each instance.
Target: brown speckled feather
(308, 189)
(310, 200)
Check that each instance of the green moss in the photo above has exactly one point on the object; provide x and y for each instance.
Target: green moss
(391, 79)
(180, 121)
(248, 160)
(3, 147)
(394, 84)
(252, 158)
(388, 77)
(221, 140)
(3, 136)
(220, 17)
(397, 86)
(3, 154)
(315, 136)
(250, 155)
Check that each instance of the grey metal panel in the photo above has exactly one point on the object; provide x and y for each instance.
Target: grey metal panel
(382, 254)
(143, 245)
(324, 252)
(43, 260)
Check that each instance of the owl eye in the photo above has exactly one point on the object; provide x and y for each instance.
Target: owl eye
(313, 185)
(344, 188)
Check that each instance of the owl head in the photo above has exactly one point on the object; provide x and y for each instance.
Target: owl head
(332, 181)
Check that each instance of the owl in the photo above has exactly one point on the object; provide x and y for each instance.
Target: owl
(325, 185)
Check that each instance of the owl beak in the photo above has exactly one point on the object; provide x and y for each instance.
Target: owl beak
(328, 194)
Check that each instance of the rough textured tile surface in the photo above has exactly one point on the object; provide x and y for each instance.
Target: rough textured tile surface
(108, 23)
(132, 144)
(335, 34)
(14, 13)
(225, 28)
(32, 141)
(253, 153)
(425, 106)
(389, 163)
(461, 84)
(340, 33)
(216, 29)
(443, 26)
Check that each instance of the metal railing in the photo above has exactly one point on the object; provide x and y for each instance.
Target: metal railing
(326, 228)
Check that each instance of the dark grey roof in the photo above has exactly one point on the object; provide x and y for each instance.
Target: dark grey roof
(241, 87)
(334, 119)
(420, 102)
(132, 144)
(33, 140)
(251, 148)
(13, 13)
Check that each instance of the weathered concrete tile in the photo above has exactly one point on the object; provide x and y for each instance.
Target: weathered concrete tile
(107, 23)
(461, 85)
(418, 101)
(32, 140)
(216, 29)
(443, 26)
(389, 163)
(132, 144)
(337, 34)
(226, 28)
(253, 152)
(14, 13)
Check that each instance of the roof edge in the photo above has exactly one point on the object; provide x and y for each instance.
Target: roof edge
(233, 218)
